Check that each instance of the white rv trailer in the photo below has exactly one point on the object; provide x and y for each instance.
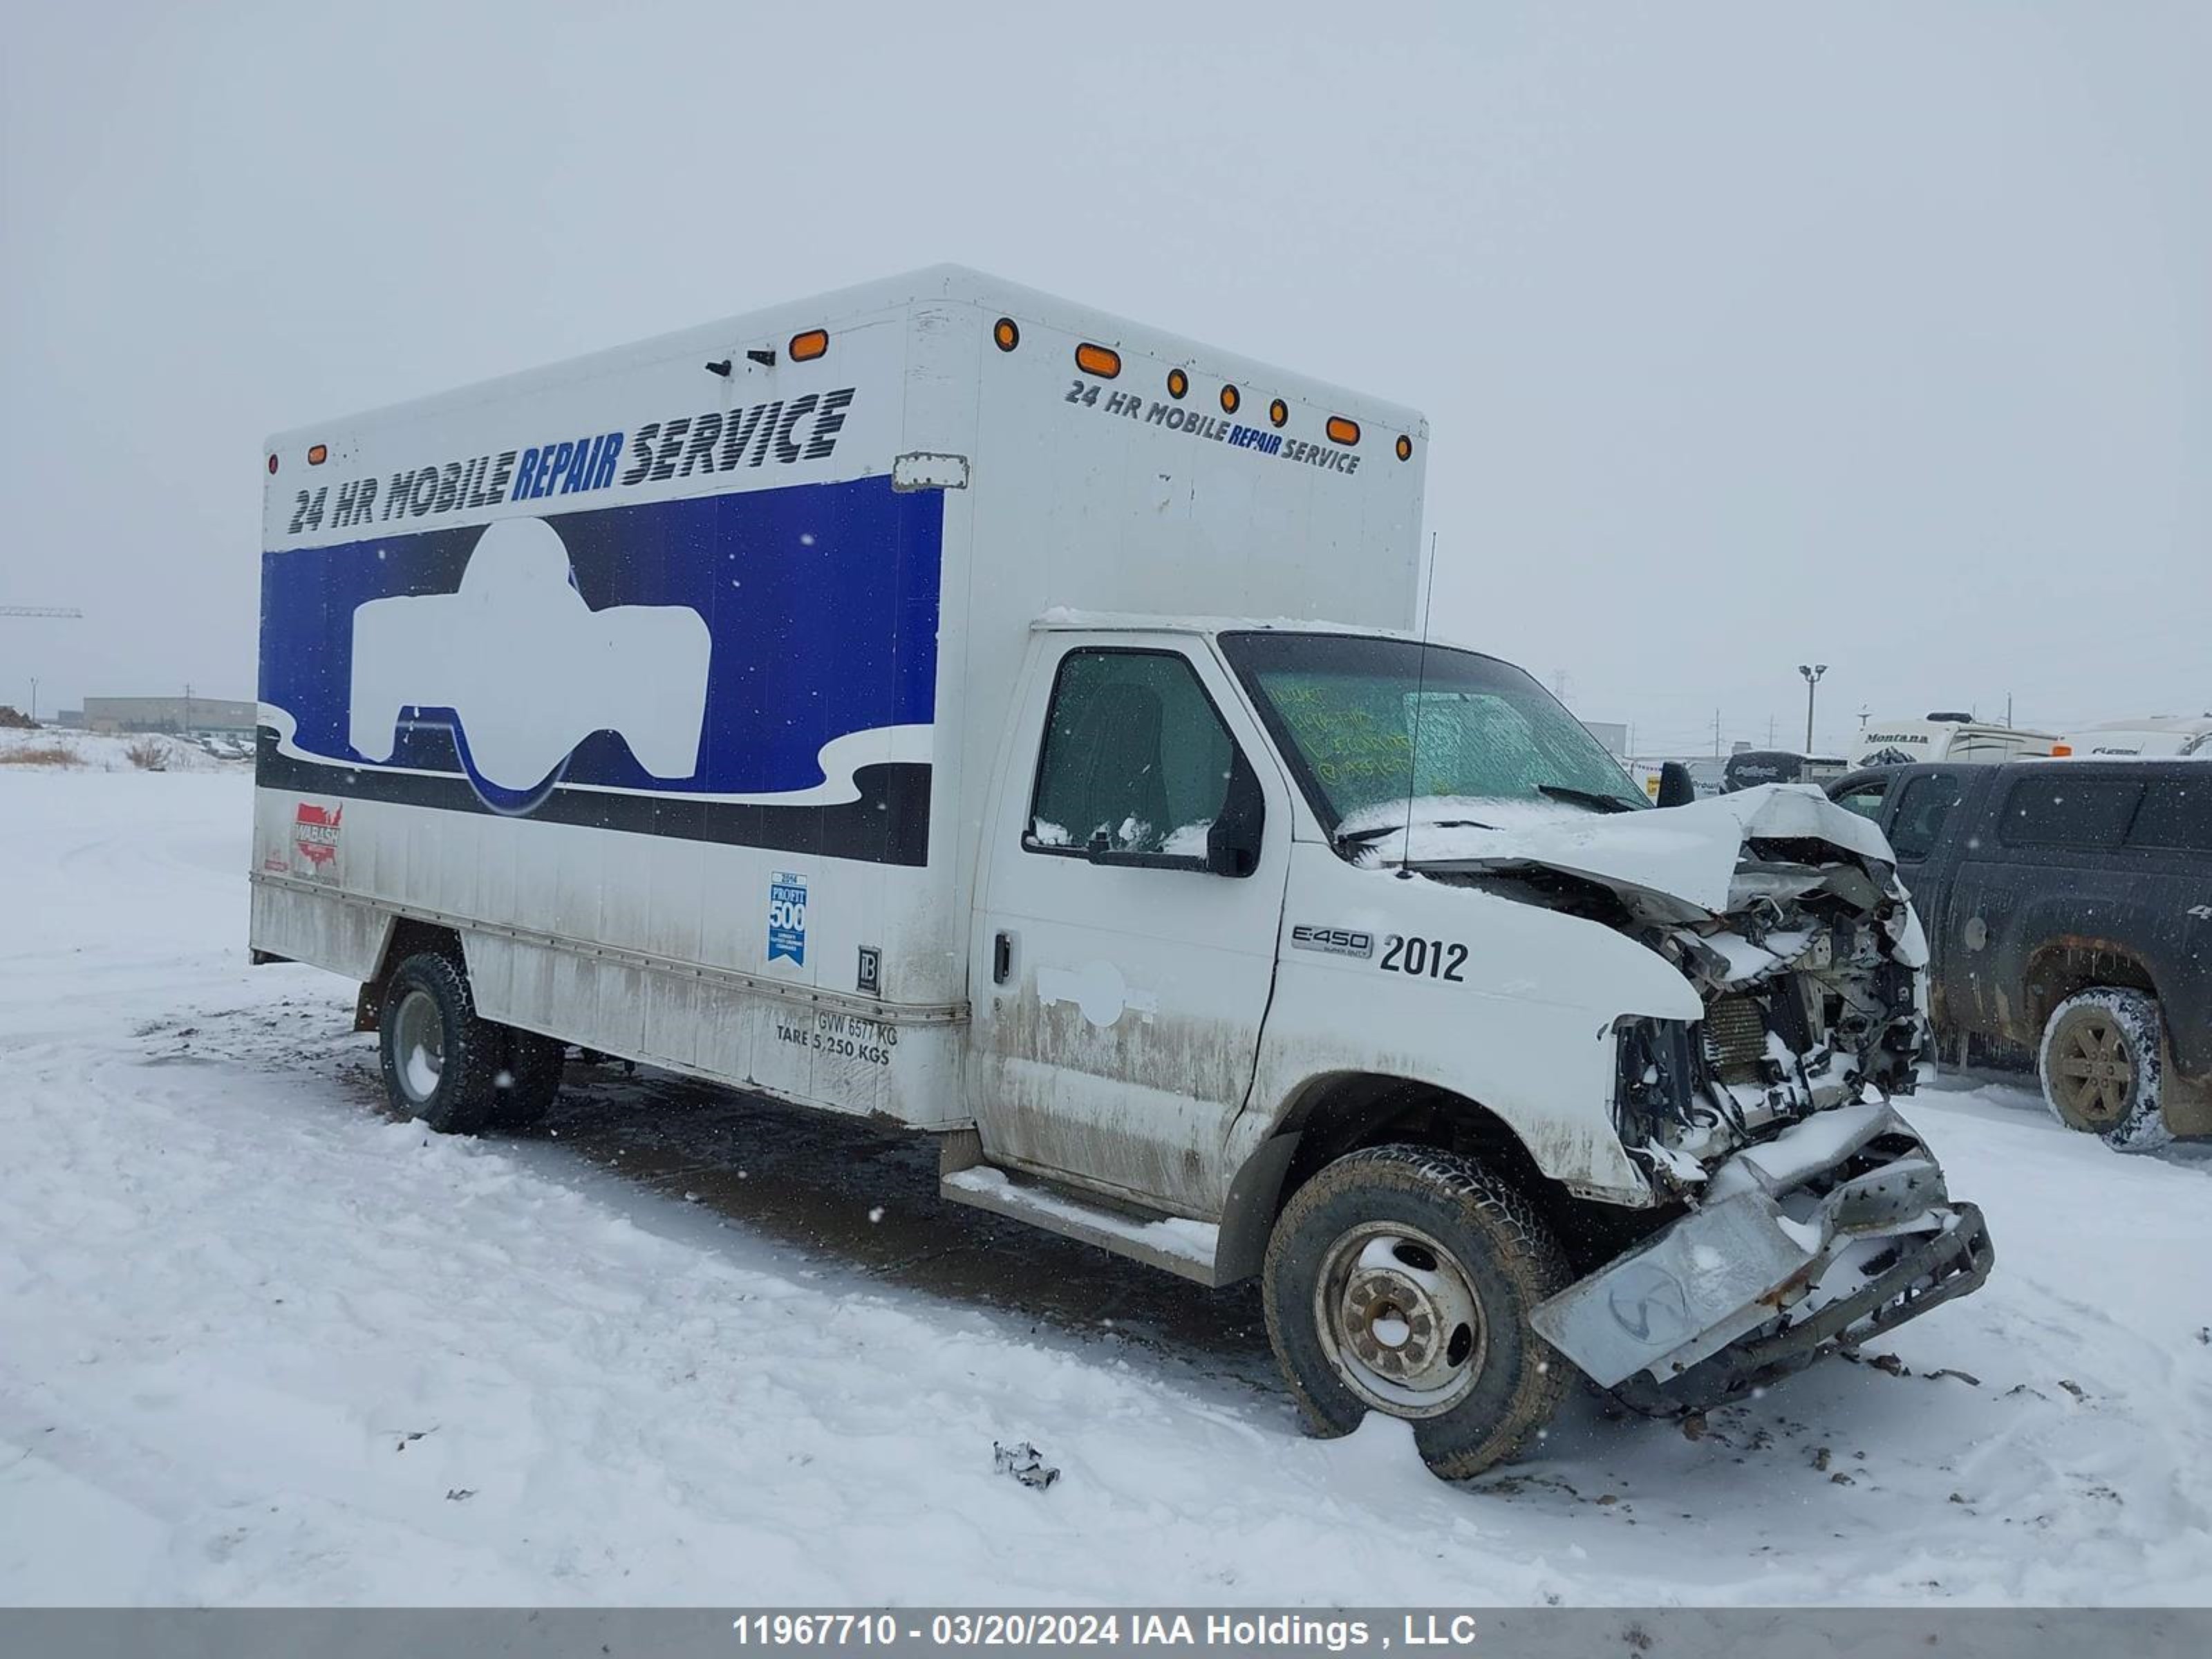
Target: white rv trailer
(845, 702)
(2156, 736)
(1959, 739)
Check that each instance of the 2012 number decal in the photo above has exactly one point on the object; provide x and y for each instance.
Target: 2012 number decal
(1425, 958)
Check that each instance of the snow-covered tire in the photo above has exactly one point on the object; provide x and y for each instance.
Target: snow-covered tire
(440, 1062)
(1399, 1279)
(528, 1079)
(2103, 1065)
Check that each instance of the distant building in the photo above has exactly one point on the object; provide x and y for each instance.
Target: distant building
(1613, 734)
(70, 719)
(177, 715)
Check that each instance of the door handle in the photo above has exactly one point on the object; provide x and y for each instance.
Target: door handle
(1002, 958)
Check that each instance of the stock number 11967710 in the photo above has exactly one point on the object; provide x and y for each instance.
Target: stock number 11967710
(1425, 958)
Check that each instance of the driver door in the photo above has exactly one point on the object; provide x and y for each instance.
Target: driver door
(1120, 983)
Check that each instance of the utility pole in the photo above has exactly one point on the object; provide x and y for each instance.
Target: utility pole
(188, 708)
(35, 699)
(1812, 678)
(2008, 709)
(1717, 734)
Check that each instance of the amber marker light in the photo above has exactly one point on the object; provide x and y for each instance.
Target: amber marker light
(1229, 399)
(1178, 383)
(805, 348)
(1404, 447)
(318, 453)
(1341, 431)
(1006, 334)
(1097, 360)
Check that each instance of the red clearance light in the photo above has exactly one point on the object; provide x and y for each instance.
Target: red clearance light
(1097, 360)
(272, 466)
(805, 348)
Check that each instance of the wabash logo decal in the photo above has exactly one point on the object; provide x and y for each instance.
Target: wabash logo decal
(315, 833)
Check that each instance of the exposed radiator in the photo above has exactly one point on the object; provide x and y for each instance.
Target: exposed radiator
(1735, 1039)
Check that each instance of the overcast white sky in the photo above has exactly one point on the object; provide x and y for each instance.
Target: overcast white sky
(1878, 335)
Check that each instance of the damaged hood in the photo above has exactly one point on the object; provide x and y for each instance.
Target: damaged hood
(1677, 862)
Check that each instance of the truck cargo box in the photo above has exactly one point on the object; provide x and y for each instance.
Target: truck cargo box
(669, 677)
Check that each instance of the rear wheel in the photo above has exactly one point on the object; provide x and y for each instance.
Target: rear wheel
(2102, 1063)
(1399, 1279)
(439, 1060)
(529, 1078)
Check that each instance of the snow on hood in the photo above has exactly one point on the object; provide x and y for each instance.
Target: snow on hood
(1688, 854)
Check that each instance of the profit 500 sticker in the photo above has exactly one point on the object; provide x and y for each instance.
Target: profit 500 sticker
(787, 917)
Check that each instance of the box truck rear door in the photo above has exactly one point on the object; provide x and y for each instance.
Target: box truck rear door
(1124, 946)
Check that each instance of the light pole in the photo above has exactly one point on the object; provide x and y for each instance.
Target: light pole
(35, 699)
(1812, 678)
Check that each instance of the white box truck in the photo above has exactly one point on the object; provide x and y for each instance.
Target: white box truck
(846, 702)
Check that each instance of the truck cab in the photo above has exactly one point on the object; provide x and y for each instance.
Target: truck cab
(1266, 912)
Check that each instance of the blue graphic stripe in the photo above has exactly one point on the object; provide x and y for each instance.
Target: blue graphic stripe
(821, 601)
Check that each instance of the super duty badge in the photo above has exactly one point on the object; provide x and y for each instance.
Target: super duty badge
(1336, 941)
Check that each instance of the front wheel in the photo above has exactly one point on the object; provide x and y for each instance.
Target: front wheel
(1399, 1279)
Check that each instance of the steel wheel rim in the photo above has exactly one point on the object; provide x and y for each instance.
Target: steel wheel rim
(418, 1044)
(1399, 1320)
(2093, 1071)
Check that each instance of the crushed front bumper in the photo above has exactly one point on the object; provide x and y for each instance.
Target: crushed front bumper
(1834, 1232)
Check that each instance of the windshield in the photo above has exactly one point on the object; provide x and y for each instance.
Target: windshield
(1368, 723)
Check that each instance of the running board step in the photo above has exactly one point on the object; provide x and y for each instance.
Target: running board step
(1184, 1248)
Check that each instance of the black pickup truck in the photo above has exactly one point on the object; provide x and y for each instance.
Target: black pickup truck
(2069, 911)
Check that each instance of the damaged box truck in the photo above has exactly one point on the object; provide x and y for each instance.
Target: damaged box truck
(846, 702)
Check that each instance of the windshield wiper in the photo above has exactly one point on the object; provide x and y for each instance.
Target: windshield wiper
(1591, 798)
(1361, 837)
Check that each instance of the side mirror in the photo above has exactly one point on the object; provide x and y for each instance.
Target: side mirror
(1232, 845)
(1676, 787)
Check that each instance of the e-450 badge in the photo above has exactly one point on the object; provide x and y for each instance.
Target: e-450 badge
(1336, 941)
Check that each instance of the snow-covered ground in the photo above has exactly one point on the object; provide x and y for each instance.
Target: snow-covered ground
(258, 1342)
(51, 747)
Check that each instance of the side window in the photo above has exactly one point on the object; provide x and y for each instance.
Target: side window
(1134, 758)
(2050, 809)
(1866, 798)
(2176, 813)
(1921, 807)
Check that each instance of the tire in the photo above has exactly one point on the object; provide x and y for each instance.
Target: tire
(440, 1059)
(1399, 1279)
(2102, 1063)
(528, 1081)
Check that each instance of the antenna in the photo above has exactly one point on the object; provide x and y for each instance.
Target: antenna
(1421, 702)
